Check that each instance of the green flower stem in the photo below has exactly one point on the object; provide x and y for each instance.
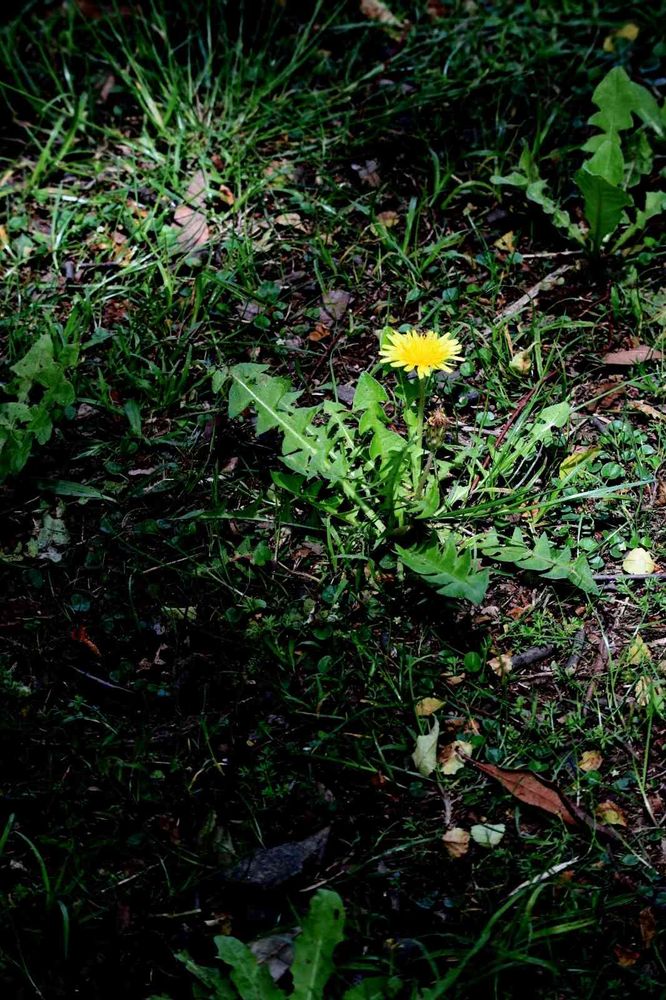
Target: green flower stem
(418, 449)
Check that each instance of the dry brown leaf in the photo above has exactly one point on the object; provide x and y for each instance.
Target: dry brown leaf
(647, 410)
(633, 356)
(591, 760)
(609, 812)
(534, 791)
(4, 238)
(334, 304)
(226, 194)
(292, 220)
(426, 706)
(191, 221)
(376, 10)
(456, 842)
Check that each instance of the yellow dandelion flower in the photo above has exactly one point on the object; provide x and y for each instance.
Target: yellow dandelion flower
(426, 352)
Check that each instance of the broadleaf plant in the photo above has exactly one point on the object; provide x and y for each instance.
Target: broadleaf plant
(606, 177)
(38, 393)
(351, 465)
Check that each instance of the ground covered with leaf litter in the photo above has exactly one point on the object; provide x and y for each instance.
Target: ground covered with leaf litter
(226, 692)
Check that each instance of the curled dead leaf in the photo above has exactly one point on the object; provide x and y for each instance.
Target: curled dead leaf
(648, 925)
(450, 760)
(632, 356)
(626, 957)
(501, 665)
(456, 842)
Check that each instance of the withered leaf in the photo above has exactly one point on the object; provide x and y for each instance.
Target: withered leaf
(456, 842)
(633, 356)
(189, 217)
(334, 305)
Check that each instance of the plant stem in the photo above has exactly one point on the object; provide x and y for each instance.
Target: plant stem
(418, 457)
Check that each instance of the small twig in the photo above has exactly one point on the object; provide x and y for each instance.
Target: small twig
(100, 680)
(544, 285)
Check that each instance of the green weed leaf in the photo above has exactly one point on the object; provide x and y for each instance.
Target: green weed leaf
(323, 929)
(253, 981)
(553, 564)
(450, 572)
(604, 205)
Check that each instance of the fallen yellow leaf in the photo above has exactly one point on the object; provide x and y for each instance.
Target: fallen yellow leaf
(426, 706)
(638, 562)
(591, 760)
(506, 242)
(609, 812)
(638, 651)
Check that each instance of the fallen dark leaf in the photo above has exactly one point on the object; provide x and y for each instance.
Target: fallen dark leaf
(272, 866)
(633, 356)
